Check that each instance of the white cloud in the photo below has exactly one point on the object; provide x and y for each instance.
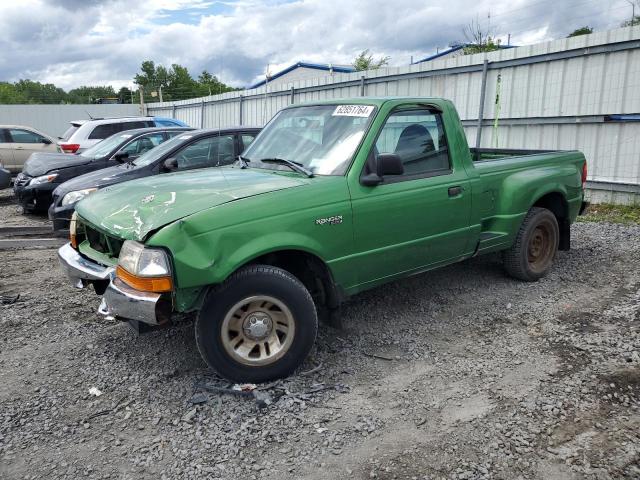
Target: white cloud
(79, 42)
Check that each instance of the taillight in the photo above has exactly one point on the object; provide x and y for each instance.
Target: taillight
(584, 174)
(69, 147)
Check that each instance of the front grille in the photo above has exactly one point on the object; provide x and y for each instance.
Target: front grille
(102, 243)
(22, 180)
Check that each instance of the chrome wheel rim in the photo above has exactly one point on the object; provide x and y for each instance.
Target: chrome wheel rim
(258, 330)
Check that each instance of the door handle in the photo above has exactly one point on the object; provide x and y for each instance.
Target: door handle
(455, 191)
(19, 148)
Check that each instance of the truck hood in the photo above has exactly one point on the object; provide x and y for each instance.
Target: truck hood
(40, 163)
(132, 210)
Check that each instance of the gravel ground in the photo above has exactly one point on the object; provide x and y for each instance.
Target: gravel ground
(459, 373)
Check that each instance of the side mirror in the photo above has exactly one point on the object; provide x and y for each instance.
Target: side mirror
(46, 141)
(120, 156)
(170, 164)
(386, 164)
(389, 164)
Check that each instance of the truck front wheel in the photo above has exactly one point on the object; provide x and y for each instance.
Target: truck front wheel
(531, 255)
(257, 326)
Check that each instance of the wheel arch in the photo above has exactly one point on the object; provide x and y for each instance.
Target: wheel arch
(556, 202)
(314, 273)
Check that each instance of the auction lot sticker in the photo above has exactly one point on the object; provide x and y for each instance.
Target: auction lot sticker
(353, 110)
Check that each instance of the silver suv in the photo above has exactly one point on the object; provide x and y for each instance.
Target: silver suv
(83, 134)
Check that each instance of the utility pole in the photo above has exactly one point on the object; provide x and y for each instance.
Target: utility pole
(160, 92)
(633, 12)
(141, 90)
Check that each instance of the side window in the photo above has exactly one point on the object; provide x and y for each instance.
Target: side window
(123, 126)
(132, 125)
(166, 123)
(247, 138)
(24, 136)
(207, 152)
(142, 144)
(417, 137)
(173, 133)
(101, 132)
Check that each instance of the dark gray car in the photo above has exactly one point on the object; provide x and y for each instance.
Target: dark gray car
(5, 178)
(43, 172)
(194, 149)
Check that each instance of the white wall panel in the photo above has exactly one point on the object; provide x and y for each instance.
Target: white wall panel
(54, 119)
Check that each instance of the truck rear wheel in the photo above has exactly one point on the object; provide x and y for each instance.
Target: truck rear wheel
(257, 326)
(531, 255)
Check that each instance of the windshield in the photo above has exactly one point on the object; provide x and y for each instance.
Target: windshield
(106, 146)
(322, 138)
(157, 153)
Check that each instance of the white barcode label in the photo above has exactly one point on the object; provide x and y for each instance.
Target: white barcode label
(353, 110)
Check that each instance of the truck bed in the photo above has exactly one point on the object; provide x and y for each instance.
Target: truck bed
(484, 154)
(511, 179)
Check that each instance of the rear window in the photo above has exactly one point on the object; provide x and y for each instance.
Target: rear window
(70, 131)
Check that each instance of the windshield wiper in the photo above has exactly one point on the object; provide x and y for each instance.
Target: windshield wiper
(297, 166)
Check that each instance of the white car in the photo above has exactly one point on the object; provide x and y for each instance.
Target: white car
(17, 143)
(83, 134)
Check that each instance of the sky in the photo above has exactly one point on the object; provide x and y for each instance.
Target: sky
(103, 42)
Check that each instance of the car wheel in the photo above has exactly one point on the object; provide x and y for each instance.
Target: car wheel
(531, 255)
(259, 325)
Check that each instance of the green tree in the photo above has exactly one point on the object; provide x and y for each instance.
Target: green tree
(632, 22)
(9, 94)
(365, 61)
(36, 92)
(580, 31)
(176, 83)
(125, 95)
(210, 85)
(86, 94)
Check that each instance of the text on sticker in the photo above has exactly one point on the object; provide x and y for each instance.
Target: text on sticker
(353, 110)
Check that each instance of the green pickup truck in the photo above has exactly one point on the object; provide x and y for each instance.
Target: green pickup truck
(332, 198)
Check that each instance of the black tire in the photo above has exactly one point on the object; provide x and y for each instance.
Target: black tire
(531, 255)
(256, 280)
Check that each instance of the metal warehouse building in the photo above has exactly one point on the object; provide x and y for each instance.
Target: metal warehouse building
(575, 93)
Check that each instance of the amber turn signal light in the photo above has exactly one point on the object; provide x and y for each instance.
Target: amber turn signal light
(145, 284)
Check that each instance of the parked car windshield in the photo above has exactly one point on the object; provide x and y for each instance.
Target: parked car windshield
(322, 138)
(106, 146)
(157, 153)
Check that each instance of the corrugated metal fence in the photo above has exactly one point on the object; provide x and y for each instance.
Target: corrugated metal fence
(576, 93)
(54, 119)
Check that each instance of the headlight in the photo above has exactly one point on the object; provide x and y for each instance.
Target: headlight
(74, 197)
(144, 268)
(43, 179)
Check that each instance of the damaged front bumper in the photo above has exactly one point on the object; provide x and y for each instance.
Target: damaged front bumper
(119, 299)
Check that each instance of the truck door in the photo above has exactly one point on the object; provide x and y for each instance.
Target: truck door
(416, 219)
